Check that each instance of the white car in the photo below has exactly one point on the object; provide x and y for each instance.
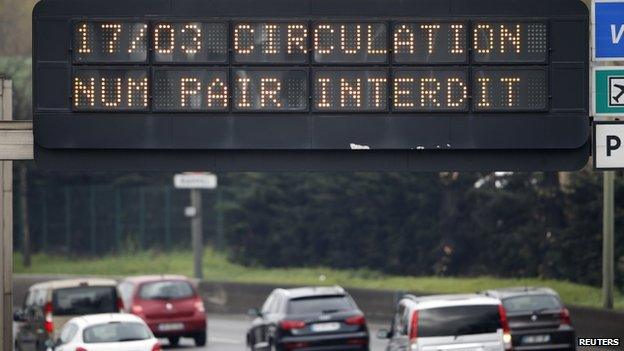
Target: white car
(449, 323)
(106, 332)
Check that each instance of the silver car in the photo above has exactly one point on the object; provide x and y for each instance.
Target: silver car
(448, 322)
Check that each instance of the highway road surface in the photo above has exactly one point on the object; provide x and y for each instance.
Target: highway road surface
(227, 333)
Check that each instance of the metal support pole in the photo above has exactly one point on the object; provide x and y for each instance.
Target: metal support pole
(167, 217)
(220, 221)
(93, 221)
(608, 240)
(6, 228)
(6, 249)
(118, 221)
(44, 219)
(68, 220)
(196, 232)
(142, 241)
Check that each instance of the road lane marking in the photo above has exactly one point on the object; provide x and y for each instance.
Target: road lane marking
(227, 341)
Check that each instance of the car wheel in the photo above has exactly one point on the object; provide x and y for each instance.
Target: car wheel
(174, 340)
(200, 339)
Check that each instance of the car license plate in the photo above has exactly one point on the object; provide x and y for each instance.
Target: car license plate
(535, 339)
(325, 327)
(170, 327)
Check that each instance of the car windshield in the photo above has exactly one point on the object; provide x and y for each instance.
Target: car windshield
(166, 290)
(116, 332)
(320, 304)
(458, 320)
(84, 300)
(531, 303)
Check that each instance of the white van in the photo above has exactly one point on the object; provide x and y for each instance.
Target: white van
(448, 322)
(48, 306)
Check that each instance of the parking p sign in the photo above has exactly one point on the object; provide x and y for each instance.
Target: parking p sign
(608, 25)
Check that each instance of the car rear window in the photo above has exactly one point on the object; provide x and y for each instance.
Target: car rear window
(84, 300)
(320, 304)
(458, 320)
(531, 303)
(166, 290)
(115, 332)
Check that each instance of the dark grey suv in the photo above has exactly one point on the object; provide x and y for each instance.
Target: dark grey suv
(310, 319)
(537, 318)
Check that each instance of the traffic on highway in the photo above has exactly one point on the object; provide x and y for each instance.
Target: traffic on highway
(149, 313)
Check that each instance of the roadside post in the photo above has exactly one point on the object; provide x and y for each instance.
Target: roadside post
(16, 143)
(195, 182)
(608, 105)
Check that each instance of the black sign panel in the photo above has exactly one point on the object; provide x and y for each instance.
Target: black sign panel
(430, 42)
(191, 90)
(270, 42)
(270, 90)
(110, 41)
(311, 75)
(350, 42)
(110, 89)
(350, 90)
(510, 89)
(430, 90)
(190, 42)
(510, 42)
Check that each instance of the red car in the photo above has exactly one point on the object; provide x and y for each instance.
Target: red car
(170, 305)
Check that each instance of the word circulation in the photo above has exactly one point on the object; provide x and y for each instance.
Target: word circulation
(299, 66)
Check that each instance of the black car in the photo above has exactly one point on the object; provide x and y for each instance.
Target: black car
(310, 319)
(537, 318)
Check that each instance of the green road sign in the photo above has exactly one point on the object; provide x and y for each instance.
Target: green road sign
(608, 91)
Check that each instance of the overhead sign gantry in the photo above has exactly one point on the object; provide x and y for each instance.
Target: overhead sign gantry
(283, 84)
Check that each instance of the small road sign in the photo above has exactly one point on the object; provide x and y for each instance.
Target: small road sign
(608, 30)
(195, 181)
(609, 145)
(608, 95)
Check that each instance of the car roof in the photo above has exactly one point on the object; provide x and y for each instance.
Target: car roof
(93, 319)
(155, 278)
(73, 283)
(312, 291)
(520, 291)
(436, 301)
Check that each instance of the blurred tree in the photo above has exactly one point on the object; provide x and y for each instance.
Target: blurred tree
(16, 27)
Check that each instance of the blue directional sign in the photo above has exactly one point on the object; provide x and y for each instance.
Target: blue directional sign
(608, 22)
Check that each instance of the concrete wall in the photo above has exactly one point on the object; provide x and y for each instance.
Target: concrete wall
(237, 298)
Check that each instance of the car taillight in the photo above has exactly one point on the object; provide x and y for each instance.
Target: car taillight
(564, 317)
(48, 323)
(356, 320)
(505, 325)
(357, 342)
(290, 325)
(80, 349)
(137, 309)
(120, 304)
(199, 306)
(413, 335)
(296, 345)
(157, 347)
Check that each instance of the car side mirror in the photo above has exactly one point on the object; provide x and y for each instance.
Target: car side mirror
(18, 316)
(254, 312)
(384, 334)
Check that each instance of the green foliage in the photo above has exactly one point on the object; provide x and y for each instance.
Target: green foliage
(505, 225)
